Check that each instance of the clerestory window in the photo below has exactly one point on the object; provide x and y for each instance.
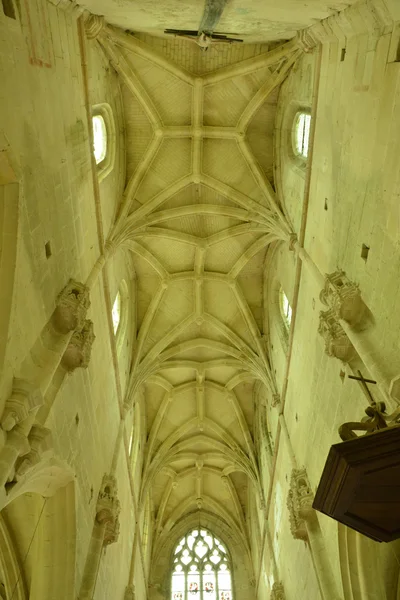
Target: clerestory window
(116, 312)
(99, 138)
(286, 309)
(201, 568)
(301, 134)
(104, 139)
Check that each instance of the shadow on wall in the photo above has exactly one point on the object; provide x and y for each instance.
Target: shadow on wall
(9, 213)
(370, 570)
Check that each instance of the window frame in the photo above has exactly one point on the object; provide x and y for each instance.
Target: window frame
(302, 158)
(298, 153)
(286, 312)
(105, 167)
(120, 332)
(182, 546)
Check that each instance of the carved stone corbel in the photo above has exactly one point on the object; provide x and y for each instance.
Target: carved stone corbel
(344, 298)
(72, 305)
(24, 398)
(299, 503)
(277, 593)
(108, 509)
(337, 343)
(79, 348)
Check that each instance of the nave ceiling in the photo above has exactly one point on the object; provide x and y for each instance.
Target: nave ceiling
(199, 213)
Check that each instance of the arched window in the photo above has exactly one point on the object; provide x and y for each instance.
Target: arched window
(116, 312)
(301, 134)
(104, 139)
(99, 138)
(201, 568)
(286, 309)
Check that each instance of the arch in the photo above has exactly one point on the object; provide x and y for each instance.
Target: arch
(43, 531)
(201, 565)
(362, 563)
(232, 539)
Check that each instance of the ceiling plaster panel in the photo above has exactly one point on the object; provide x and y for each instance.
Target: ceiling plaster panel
(192, 58)
(170, 95)
(174, 256)
(196, 193)
(222, 257)
(225, 101)
(138, 131)
(222, 160)
(173, 161)
(201, 226)
(262, 145)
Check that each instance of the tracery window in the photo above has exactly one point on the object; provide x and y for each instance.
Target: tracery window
(301, 134)
(286, 309)
(201, 568)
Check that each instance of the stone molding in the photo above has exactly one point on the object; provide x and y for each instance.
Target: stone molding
(276, 400)
(108, 509)
(24, 398)
(72, 305)
(68, 6)
(40, 441)
(79, 348)
(337, 343)
(94, 25)
(299, 503)
(343, 297)
(277, 592)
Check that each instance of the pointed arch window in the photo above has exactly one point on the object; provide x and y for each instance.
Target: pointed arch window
(201, 568)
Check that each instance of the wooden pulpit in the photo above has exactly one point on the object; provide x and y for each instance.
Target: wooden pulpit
(360, 484)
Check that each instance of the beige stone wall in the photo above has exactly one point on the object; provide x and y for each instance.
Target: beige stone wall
(44, 133)
(352, 201)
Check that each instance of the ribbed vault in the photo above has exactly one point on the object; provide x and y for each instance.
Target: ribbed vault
(198, 214)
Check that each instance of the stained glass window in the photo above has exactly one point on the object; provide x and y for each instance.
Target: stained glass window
(302, 133)
(201, 568)
(286, 309)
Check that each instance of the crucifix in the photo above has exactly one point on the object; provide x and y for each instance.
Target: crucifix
(376, 418)
(206, 34)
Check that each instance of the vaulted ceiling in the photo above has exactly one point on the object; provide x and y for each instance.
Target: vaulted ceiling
(198, 214)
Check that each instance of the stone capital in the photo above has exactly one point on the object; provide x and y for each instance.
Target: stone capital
(299, 502)
(343, 297)
(337, 343)
(72, 305)
(79, 348)
(24, 398)
(277, 592)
